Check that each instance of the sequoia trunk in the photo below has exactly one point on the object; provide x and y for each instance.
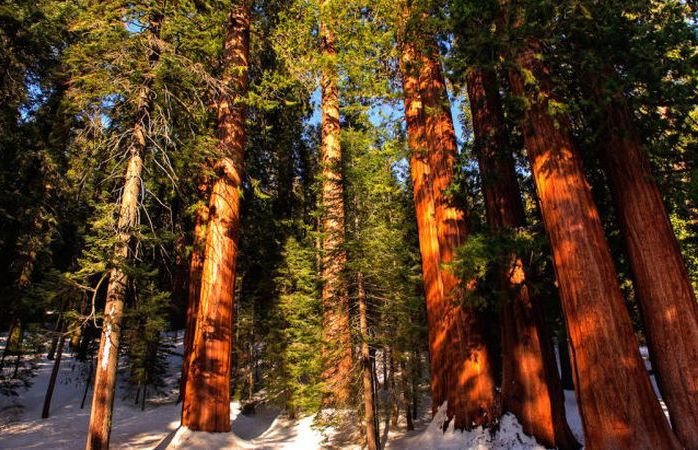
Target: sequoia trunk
(530, 384)
(335, 302)
(461, 365)
(618, 406)
(207, 391)
(196, 266)
(667, 300)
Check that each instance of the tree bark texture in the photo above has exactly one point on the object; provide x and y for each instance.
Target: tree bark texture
(128, 221)
(667, 300)
(335, 301)
(207, 392)
(531, 387)
(108, 355)
(196, 266)
(618, 406)
(460, 360)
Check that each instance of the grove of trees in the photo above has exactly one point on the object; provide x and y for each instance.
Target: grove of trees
(354, 207)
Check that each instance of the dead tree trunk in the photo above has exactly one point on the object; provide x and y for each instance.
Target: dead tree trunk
(336, 332)
(128, 220)
(206, 404)
(460, 360)
(530, 384)
(618, 406)
(667, 300)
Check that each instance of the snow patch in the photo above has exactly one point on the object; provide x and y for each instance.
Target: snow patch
(509, 436)
(107, 347)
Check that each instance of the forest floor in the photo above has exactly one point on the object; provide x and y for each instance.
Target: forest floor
(158, 426)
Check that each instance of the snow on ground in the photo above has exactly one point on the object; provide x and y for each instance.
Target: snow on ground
(264, 430)
(509, 436)
(158, 427)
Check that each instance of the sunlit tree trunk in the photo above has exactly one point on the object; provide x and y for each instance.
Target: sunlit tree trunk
(530, 384)
(336, 332)
(426, 225)
(207, 391)
(460, 361)
(108, 355)
(370, 422)
(667, 300)
(194, 289)
(618, 406)
(128, 221)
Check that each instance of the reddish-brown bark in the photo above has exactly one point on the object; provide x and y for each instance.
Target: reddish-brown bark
(618, 406)
(196, 266)
(207, 395)
(335, 301)
(460, 360)
(667, 300)
(530, 385)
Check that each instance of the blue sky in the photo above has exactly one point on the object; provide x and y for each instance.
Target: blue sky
(378, 113)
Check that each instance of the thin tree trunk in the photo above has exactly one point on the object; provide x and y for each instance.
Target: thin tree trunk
(460, 360)
(87, 385)
(372, 436)
(207, 395)
(416, 374)
(618, 406)
(384, 355)
(407, 398)
(128, 220)
(54, 376)
(336, 332)
(55, 338)
(667, 300)
(394, 393)
(530, 384)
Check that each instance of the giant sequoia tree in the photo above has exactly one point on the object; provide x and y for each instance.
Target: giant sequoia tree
(461, 362)
(585, 271)
(207, 395)
(334, 296)
(531, 388)
(668, 302)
